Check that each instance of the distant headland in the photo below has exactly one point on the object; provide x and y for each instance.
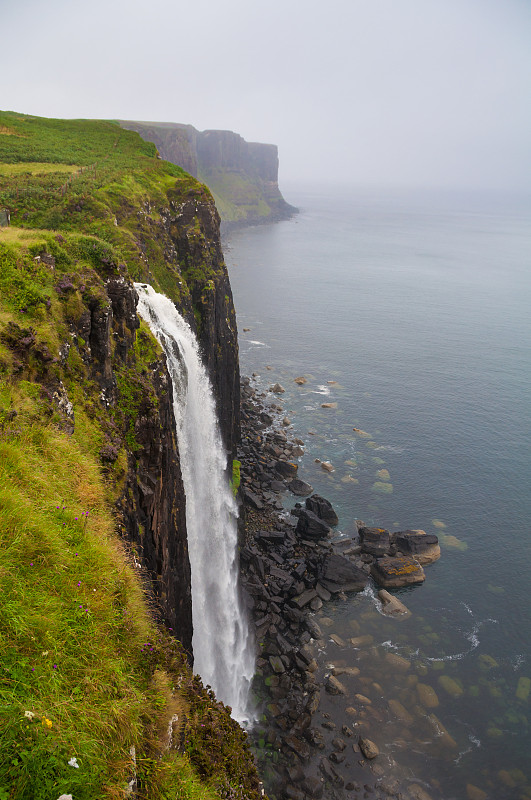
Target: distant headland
(242, 176)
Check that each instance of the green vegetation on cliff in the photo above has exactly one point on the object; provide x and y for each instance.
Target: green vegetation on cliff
(96, 695)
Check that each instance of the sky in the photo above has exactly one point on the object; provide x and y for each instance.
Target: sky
(364, 92)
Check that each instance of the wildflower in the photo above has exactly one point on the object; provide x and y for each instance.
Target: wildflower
(79, 583)
(31, 564)
(55, 666)
(29, 714)
(47, 722)
(73, 763)
(45, 652)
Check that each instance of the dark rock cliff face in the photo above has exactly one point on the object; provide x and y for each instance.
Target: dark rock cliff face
(243, 176)
(194, 231)
(151, 510)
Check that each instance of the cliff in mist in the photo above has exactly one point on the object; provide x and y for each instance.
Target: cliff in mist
(93, 545)
(242, 176)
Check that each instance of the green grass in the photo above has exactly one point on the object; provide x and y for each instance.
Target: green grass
(85, 670)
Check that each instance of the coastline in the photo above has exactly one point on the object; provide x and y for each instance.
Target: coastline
(312, 736)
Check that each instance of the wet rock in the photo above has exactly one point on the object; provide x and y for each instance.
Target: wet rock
(300, 488)
(336, 757)
(322, 508)
(314, 628)
(277, 388)
(374, 541)
(368, 748)
(313, 787)
(334, 686)
(277, 664)
(422, 546)
(393, 573)
(329, 772)
(350, 671)
(427, 695)
(309, 526)
(286, 468)
(300, 381)
(475, 793)
(298, 746)
(392, 606)
(397, 662)
(443, 737)
(400, 712)
(327, 466)
(339, 574)
(339, 744)
(416, 792)
(450, 686)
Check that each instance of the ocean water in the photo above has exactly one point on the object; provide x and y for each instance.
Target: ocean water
(411, 311)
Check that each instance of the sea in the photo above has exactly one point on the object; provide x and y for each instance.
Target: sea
(410, 312)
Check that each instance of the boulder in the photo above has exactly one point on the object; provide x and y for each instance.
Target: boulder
(252, 499)
(420, 545)
(393, 573)
(391, 605)
(374, 541)
(322, 508)
(300, 488)
(300, 381)
(368, 748)
(286, 468)
(313, 787)
(277, 388)
(334, 686)
(327, 466)
(309, 526)
(339, 574)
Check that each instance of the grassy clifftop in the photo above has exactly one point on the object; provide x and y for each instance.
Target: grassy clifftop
(96, 697)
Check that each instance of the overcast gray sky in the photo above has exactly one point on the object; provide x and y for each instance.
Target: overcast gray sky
(414, 92)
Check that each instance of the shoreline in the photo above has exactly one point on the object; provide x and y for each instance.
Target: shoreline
(303, 742)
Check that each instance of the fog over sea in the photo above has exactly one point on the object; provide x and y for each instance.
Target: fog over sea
(416, 305)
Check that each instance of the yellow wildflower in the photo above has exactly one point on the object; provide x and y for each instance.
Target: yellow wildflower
(47, 722)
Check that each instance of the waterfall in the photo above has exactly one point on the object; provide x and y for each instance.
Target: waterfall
(222, 646)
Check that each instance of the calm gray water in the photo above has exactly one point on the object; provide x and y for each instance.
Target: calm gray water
(418, 306)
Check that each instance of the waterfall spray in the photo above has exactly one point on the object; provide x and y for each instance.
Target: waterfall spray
(222, 646)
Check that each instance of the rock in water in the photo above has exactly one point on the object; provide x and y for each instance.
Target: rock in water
(309, 526)
(374, 541)
(339, 574)
(391, 605)
(368, 748)
(393, 573)
(300, 488)
(333, 686)
(277, 388)
(422, 546)
(322, 508)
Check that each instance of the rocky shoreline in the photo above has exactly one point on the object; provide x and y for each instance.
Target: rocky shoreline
(291, 564)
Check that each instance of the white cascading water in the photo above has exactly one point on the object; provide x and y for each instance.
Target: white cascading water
(223, 650)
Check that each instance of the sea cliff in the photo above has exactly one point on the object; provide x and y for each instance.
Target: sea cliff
(92, 519)
(242, 176)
